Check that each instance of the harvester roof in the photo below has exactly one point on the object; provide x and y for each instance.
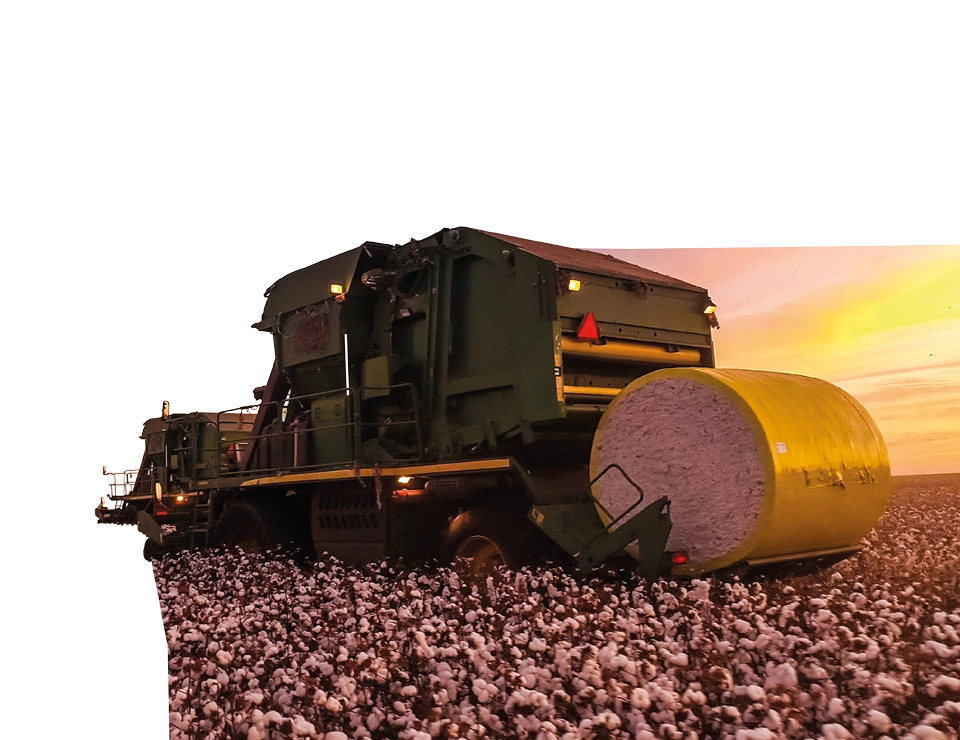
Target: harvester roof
(592, 262)
(311, 284)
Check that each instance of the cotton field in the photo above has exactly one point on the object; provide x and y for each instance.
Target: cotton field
(272, 647)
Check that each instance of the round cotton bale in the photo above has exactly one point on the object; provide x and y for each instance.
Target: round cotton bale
(757, 465)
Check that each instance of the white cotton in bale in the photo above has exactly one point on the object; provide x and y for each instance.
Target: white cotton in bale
(679, 439)
(756, 465)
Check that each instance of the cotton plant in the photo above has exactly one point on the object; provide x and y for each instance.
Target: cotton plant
(269, 647)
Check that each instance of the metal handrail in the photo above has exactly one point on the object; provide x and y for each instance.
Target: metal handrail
(124, 481)
(123, 486)
(284, 430)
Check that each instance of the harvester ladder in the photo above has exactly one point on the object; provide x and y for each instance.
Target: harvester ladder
(202, 507)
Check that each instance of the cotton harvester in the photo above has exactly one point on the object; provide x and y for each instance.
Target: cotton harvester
(495, 400)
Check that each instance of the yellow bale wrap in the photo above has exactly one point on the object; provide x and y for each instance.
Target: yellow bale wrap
(816, 462)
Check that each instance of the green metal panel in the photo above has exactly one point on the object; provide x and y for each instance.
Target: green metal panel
(332, 429)
(630, 310)
(590, 541)
(490, 344)
(308, 334)
(377, 375)
(311, 284)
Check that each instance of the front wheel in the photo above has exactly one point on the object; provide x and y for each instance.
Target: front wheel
(254, 527)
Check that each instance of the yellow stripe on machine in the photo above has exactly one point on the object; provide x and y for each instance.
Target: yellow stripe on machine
(589, 390)
(499, 463)
(618, 350)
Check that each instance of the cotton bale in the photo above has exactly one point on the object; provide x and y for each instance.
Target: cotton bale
(757, 465)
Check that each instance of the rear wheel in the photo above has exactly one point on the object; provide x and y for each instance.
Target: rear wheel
(478, 557)
(481, 542)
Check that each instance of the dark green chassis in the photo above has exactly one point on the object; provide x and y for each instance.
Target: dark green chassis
(574, 527)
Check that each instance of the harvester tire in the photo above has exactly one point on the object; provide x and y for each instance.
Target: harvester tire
(481, 541)
(252, 527)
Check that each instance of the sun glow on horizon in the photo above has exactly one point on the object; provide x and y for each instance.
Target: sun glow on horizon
(883, 324)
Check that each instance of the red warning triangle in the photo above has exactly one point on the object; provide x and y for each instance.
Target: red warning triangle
(588, 331)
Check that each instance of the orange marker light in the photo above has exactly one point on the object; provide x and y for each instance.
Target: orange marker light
(336, 289)
(679, 557)
(588, 331)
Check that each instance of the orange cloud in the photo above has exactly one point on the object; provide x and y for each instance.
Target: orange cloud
(882, 323)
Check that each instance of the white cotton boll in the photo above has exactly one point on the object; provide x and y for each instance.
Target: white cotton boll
(780, 676)
(925, 732)
(835, 732)
(835, 707)
(483, 690)
(742, 626)
(944, 684)
(254, 697)
(333, 705)
(815, 672)
(302, 727)
(700, 590)
(680, 659)
(178, 699)
(607, 720)
(254, 734)
(640, 699)
(879, 721)
(335, 735)
(224, 657)
(694, 697)
(773, 720)
(730, 713)
(408, 691)
(760, 733)
(537, 645)
(755, 693)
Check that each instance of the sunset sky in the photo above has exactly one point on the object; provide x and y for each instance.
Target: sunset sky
(883, 323)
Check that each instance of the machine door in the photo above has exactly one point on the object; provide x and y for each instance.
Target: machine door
(331, 421)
